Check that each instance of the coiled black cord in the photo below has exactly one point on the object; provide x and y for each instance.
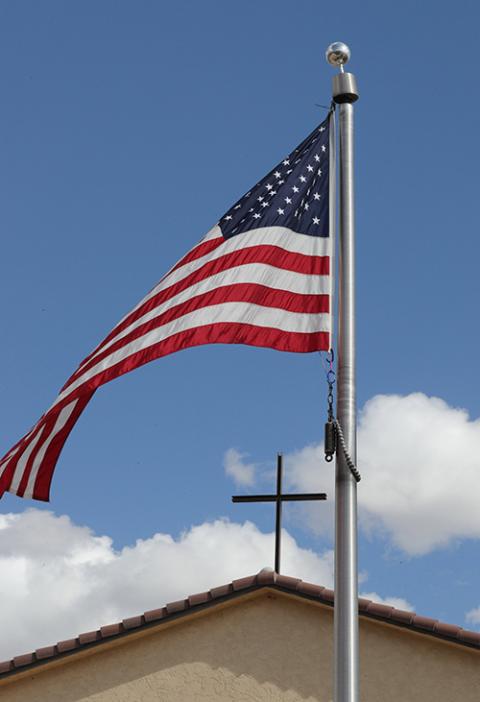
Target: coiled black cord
(348, 459)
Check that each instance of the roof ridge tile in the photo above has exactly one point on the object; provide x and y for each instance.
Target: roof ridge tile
(265, 578)
(177, 606)
(472, 637)
(379, 610)
(199, 598)
(67, 645)
(154, 614)
(310, 589)
(45, 652)
(111, 630)
(402, 616)
(133, 622)
(89, 636)
(427, 623)
(221, 591)
(287, 581)
(244, 583)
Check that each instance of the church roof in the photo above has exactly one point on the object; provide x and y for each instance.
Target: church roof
(267, 580)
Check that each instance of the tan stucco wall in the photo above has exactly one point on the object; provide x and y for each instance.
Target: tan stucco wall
(270, 647)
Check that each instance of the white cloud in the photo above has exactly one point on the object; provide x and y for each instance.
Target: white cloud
(421, 481)
(473, 616)
(235, 467)
(397, 602)
(420, 473)
(421, 470)
(59, 579)
(307, 471)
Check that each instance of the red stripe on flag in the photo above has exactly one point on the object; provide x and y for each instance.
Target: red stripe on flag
(202, 249)
(48, 425)
(241, 292)
(221, 333)
(44, 477)
(11, 459)
(218, 333)
(265, 254)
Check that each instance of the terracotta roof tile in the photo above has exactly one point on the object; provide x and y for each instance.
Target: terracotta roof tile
(133, 622)
(110, 630)
(447, 629)
(401, 616)
(310, 589)
(379, 610)
(178, 606)
(198, 599)
(244, 583)
(154, 614)
(26, 659)
(286, 581)
(68, 645)
(264, 579)
(221, 591)
(6, 666)
(472, 637)
(424, 623)
(88, 637)
(327, 595)
(46, 652)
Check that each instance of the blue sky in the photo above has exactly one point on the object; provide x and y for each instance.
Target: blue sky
(127, 129)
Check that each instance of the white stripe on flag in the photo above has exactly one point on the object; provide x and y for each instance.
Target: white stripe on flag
(232, 312)
(22, 462)
(268, 236)
(62, 419)
(251, 273)
(13, 452)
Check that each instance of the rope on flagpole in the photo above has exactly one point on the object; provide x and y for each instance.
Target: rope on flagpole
(353, 468)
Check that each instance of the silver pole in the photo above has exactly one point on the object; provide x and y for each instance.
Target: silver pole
(346, 664)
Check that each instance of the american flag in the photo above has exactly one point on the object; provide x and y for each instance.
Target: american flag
(261, 277)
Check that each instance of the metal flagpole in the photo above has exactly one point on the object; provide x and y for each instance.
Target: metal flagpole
(346, 683)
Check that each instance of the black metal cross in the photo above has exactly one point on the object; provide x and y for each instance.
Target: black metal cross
(278, 498)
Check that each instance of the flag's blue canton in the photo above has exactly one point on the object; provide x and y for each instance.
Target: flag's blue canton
(294, 194)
